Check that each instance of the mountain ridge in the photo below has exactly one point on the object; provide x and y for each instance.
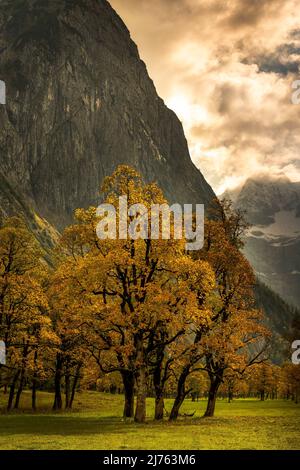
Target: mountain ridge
(75, 110)
(79, 103)
(272, 207)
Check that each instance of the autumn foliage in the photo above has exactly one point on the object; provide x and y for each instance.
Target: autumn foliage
(142, 317)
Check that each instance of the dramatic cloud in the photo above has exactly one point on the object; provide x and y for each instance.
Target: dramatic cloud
(226, 68)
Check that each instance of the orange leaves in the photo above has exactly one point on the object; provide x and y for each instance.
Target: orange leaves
(128, 299)
(124, 290)
(24, 321)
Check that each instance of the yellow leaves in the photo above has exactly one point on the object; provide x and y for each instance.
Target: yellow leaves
(47, 335)
(114, 294)
(25, 324)
(19, 252)
(122, 180)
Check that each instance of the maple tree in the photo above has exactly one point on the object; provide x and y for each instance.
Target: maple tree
(24, 324)
(135, 315)
(235, 325)
(238, 338)
(133, 296)
(291, 381)
(69, 355)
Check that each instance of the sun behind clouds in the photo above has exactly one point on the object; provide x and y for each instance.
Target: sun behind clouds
(226, 69)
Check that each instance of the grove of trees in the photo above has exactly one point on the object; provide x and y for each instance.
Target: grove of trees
(142, 317)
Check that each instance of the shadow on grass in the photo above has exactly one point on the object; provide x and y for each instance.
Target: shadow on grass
(62, 425)
(74, 425)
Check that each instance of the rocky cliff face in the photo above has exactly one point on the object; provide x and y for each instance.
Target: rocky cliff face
(273, 242)
(80, 102)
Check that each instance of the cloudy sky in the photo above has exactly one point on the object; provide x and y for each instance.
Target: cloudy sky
(226, 67)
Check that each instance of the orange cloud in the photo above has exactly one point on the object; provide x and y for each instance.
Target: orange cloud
(226, 68)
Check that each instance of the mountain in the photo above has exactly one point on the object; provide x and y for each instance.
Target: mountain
(280, 318)
(79, 103)
(279, 314)
(272, 207)
(12, 202)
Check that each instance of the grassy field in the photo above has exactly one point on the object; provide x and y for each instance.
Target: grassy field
(96, 423)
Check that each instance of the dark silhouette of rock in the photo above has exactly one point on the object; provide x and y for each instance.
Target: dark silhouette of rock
(79, 103)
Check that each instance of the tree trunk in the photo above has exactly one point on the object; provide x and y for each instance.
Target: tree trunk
(57, 405)
(141, 383)
(34, 383)
(159, 407)
(128, 381)
(159, 379)
(22, 377)
(67, 387)
(230, 394)
(212, 396)
(33, 395)
(176, 406)
(74, 386)
(158, 382)
(12, 391)
(181, 394)
(20, 389)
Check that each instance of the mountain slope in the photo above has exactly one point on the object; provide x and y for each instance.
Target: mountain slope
(80, 102)
(13, 203)
(272, 206)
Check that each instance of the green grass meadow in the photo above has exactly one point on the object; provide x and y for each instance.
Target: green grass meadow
(96, 424)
